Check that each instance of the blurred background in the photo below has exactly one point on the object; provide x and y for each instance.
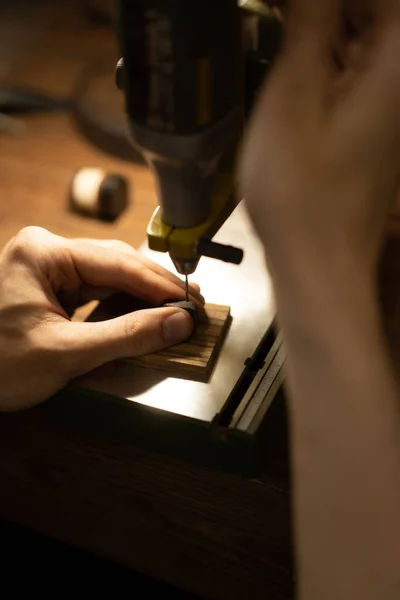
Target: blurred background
(66, 52)
(60, 112)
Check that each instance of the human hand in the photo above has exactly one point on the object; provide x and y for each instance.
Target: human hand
(320, 166)
(43, 278)
(320, 173)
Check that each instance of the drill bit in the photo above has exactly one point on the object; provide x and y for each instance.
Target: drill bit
(187, 288)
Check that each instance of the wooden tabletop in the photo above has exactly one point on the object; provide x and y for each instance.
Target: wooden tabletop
(216, 535)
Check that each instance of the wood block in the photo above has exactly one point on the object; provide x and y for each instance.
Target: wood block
(196, 357)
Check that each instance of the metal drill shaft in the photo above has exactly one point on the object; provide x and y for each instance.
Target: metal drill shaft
(187, 287)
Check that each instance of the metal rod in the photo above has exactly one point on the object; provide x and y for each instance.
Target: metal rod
(187, 287)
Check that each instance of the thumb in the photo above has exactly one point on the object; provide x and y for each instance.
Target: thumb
(90, 345)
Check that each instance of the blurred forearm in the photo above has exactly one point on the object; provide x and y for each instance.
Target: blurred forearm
(345, 436)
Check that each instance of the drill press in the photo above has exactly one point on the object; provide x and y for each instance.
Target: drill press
(182, 76)
(222, 421)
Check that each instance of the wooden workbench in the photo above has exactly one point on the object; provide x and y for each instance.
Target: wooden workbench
(216, 535)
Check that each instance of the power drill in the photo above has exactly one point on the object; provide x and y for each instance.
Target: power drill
(183, 78)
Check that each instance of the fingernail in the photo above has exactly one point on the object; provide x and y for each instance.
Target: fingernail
(177, 327)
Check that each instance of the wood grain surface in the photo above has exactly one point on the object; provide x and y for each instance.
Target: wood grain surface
(195, 358)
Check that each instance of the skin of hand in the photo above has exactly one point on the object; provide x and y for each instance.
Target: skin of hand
(43, 278)
(330, 131)
(320, 172)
